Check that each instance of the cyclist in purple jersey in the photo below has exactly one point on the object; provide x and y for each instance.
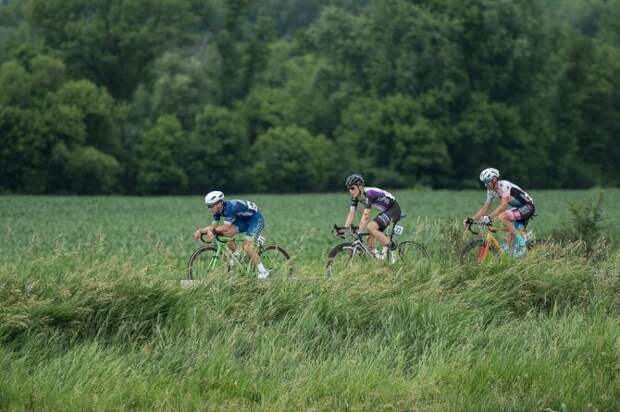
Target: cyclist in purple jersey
(383, 201)
(516, 205)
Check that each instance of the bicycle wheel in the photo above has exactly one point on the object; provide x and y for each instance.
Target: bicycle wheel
(413, 255)
(277, 261)
(205, 261)
(340, 258)
(476, 252)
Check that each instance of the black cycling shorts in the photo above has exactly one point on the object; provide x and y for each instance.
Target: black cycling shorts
(523, 214)
(391, 215)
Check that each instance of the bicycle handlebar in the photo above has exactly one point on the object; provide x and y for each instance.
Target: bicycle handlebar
(479, 223)
(340, 231)
(218, 237)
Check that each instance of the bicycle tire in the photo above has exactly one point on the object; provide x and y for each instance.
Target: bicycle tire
(471, 252)
(203, 261)
(414, 255)
(339, 258)
(277, 261)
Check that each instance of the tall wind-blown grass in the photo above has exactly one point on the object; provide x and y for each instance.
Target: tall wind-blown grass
(98, 321)
(540, 333)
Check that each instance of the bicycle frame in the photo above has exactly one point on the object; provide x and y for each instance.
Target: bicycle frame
(490, 240)
(222, 250)
(358, 243)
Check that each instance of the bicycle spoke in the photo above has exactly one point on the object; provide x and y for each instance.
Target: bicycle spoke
(340, 259)
(277, 261)
(476, 252)
(206, 262)
(413, 256)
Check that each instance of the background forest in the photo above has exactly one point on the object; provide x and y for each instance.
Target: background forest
(184, 96)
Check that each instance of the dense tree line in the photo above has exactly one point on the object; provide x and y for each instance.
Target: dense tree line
(183, 96)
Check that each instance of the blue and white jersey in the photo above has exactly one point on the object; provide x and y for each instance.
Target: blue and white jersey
(235, 210)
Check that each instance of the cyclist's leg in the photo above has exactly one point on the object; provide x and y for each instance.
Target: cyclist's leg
(383, 220)
(230, 230)
(376, 231)
(507, 217)
(377, 227)
(521, 214)
(255, 226)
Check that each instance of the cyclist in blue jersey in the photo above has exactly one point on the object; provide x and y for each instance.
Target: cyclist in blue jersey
(240, 216)
(516, 205)
(383, 201)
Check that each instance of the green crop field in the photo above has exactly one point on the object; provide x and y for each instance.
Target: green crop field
(92, 316)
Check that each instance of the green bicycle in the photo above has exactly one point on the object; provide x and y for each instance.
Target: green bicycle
(216, 258)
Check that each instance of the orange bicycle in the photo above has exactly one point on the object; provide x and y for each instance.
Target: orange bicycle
(477, 250)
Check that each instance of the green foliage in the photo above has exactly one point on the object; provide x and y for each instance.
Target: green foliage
(217, 153)
(394, 133)
(111, 42)
(587, 217)
(291, 158)
(412, 93)
(161, 156)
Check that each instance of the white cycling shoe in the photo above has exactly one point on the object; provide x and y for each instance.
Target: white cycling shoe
(263, 275)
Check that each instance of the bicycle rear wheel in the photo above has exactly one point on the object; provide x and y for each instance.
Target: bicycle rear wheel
(414, 256)
(340, 258)
(277, 261)
(476, 252)
(204, 262)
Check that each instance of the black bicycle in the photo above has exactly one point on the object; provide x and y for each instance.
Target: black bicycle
(409, 253)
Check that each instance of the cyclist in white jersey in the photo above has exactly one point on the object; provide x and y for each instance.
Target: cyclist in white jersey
(516, 206)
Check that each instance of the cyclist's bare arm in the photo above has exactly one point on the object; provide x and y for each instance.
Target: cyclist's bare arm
(364, 220)
(483, 210)
(201, 231)
(350, 217)
(502, 207)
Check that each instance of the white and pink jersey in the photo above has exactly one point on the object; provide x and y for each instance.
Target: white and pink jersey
(517, 197)
(382, 200)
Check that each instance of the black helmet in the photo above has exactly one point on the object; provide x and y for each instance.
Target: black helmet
(354, 180)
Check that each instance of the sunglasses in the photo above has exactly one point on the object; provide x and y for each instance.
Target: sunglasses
(351, 187)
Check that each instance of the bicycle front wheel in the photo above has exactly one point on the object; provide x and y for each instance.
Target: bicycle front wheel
(476, 252)
(414, 256)
(340, 258)
(277, 261)
(205, 261)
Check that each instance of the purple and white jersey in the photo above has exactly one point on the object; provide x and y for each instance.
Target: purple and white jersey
(373, 196)
(516, 196)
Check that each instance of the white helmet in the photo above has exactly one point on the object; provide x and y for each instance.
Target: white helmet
(488, 174)
(213, 197)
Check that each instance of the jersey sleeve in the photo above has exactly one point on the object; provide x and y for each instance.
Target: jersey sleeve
(503, 190)
(228, 213)
(354, 202)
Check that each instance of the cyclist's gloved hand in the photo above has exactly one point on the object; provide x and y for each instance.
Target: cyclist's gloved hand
(340, 231)
(486, 219)
(467, 222)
